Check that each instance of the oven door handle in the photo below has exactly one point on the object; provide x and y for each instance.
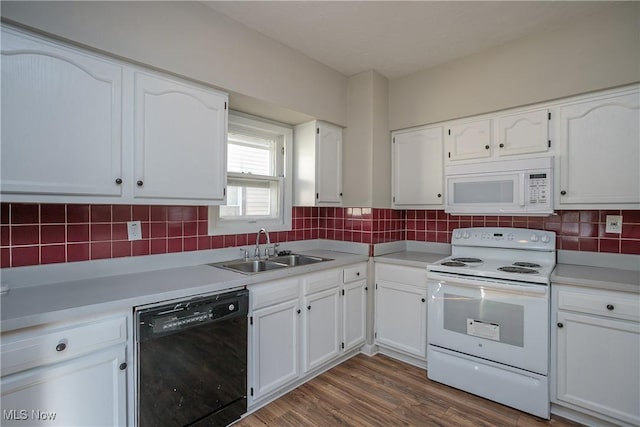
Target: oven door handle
(520, 288)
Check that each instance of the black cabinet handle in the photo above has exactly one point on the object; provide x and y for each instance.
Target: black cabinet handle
(118, 181)
(308, 307)
(486, 147)
(564, 193)
(61, 346)
(501, 145)
(366, 288)
(610, 307)
(139, 183)
(298, 311)
(340, 194)
(439, 195)
(358, 274)
(123, 366)
(560, 325)
(424, 300)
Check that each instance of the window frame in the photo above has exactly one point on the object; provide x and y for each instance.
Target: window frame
(253, 125)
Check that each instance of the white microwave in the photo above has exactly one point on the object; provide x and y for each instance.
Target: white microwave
(509, 187)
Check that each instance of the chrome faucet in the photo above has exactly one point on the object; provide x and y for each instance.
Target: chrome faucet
(257, 251)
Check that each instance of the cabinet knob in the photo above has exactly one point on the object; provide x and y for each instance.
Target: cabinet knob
(118, 181)
(564, 193)
(486, 147)
(123, 366)
(298, 311)
(366, 288)
(308, 307)
(424, 300)
(139, 183)
(61, 346)
(358, 274)
(340, 194)
(610, 307)
(439, 195)
(501, 145)
(560, 325)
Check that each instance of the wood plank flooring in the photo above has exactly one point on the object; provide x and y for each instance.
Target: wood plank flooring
(380, 391)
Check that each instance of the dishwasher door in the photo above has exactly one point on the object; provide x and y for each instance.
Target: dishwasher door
(192, 361)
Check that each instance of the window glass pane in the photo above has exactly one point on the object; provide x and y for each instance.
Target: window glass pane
(251, 198)
(250, 154)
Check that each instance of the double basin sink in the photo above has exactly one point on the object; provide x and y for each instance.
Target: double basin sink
(273, 263)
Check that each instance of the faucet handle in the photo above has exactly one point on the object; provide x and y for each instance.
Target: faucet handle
(246, 253)
(275, 249)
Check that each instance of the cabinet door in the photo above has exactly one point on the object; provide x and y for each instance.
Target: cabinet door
(180, 140)
(61, 120)
(600, 151)
(88, 391)
(523, 133)
(275, 347)
(329, 164)
(598, 365)
(401, 317)
(417, 168)
(321, 336)
(470, 140)
(354, 312)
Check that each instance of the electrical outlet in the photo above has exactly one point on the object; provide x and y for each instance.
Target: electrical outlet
(614, 224)
(134, 230)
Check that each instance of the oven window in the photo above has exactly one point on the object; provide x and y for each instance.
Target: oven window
(460, 310)
(483, 192)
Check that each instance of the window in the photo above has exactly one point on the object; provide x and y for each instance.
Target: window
(258, 178)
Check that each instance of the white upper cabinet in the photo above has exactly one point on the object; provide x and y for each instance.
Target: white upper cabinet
(317, 165)
(61, 120)
(180, 140)
(600, 151)
(417, 168)
(78, 127)
(522, 133)
(469, 140)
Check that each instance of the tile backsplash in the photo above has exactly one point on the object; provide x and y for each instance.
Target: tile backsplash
(33, 234)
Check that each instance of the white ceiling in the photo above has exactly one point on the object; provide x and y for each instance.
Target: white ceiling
(399, 38)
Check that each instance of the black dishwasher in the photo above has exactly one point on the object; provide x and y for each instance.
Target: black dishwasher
(192, 361)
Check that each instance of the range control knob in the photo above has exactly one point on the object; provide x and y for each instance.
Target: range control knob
(545, 239)
(534, 238)
(466, 235)
(232, 307)
(457, 235)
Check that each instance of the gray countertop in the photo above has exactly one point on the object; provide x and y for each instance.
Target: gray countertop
(596, 277)
(28, 306)
(410, 258)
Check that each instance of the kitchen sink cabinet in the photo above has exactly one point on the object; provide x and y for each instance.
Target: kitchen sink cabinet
(597, 352)
(75, 374)
(401, 310)
(317, 164)
(417, 163)
(301, 325)
(79, 127)
(599, 149)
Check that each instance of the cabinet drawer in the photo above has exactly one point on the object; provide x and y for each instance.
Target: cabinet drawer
(619, 305)
(266, 294)
(401, 274)
(43, 346)
(357, 272)
(321, 281)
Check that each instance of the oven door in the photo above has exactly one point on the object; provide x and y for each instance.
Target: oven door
(503, 321)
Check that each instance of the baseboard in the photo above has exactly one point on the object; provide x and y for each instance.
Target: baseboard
(411, 360)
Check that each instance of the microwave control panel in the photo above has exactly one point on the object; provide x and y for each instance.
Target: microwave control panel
(539, 190)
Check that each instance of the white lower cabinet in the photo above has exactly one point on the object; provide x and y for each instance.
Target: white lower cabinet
(597, 354)
(66, 376)
(401, 309)
(297, 328)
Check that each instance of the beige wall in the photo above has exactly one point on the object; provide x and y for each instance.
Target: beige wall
(367, 153)
(192, 40)
(598, 52)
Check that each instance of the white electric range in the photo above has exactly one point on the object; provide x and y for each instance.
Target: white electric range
(488, 315)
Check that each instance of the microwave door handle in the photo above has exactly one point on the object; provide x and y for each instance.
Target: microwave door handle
(522, 184)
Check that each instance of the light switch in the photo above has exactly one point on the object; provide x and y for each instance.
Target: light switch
(614, 224)
(134, 230)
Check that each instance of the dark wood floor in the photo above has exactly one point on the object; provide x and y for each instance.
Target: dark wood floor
(380, 391)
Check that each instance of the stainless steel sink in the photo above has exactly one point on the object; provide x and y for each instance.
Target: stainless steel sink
(258, 266)
(294, 260)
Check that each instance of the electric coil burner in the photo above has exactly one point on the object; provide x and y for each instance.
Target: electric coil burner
(488, 316)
